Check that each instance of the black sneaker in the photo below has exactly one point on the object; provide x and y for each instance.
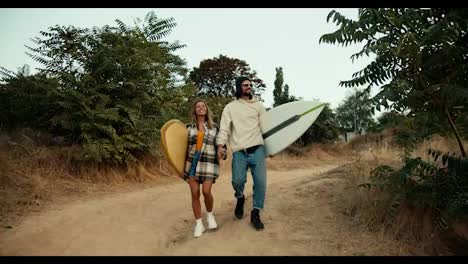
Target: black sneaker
(239, 211)
(255, 219)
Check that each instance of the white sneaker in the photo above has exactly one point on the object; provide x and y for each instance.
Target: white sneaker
(199, 229)
(211, 221)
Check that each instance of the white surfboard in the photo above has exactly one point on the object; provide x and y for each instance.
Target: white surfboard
(283, 125)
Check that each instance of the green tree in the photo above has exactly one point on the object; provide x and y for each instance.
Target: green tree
(354, 114)
(421, 56)
(215, 103)
(214, 81)
(387, 120)
(280, 92)
(25, 102)
(420, 53)
(115, 85)
(216, 76)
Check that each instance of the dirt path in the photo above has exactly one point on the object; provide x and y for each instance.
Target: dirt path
(299, 216)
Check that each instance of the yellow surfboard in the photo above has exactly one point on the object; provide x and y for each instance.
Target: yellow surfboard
(174, 141)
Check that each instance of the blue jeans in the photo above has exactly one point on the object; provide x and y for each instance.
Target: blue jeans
(241, 161)
(193, 168)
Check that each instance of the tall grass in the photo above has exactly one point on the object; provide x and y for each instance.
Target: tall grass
(413, 224)
(33, 171)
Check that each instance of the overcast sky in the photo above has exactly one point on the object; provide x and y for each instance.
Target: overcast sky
(265, 38)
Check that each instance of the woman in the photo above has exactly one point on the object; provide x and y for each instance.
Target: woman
(202, 164)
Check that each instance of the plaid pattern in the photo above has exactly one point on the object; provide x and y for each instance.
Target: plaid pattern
(208, 165)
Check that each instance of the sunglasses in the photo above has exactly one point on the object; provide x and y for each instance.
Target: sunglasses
(247, 85)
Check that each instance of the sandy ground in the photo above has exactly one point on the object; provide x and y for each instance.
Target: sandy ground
(301, 217)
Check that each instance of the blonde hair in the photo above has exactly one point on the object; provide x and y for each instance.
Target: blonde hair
(208, 117)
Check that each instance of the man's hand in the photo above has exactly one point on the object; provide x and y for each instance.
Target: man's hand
(220, 152)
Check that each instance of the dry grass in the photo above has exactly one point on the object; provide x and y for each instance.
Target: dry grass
(368, 207)
(32, 174)
(308, 157)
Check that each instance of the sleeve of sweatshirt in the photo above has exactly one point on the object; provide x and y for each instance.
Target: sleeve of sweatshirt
(225, 127)
(262, 111)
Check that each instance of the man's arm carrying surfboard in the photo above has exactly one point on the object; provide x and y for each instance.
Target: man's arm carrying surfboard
(263, 111)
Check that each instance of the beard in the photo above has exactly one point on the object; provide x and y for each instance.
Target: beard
(247, 93)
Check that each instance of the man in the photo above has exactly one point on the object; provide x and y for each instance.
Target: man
(240, 123)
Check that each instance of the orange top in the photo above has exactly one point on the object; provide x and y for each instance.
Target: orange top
(200, 136)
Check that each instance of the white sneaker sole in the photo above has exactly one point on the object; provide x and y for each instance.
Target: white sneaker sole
(211, 225)
(199, 235)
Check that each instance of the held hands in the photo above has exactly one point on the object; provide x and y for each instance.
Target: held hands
(221, 152)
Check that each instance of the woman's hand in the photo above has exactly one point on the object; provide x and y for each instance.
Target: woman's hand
(220, 152)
